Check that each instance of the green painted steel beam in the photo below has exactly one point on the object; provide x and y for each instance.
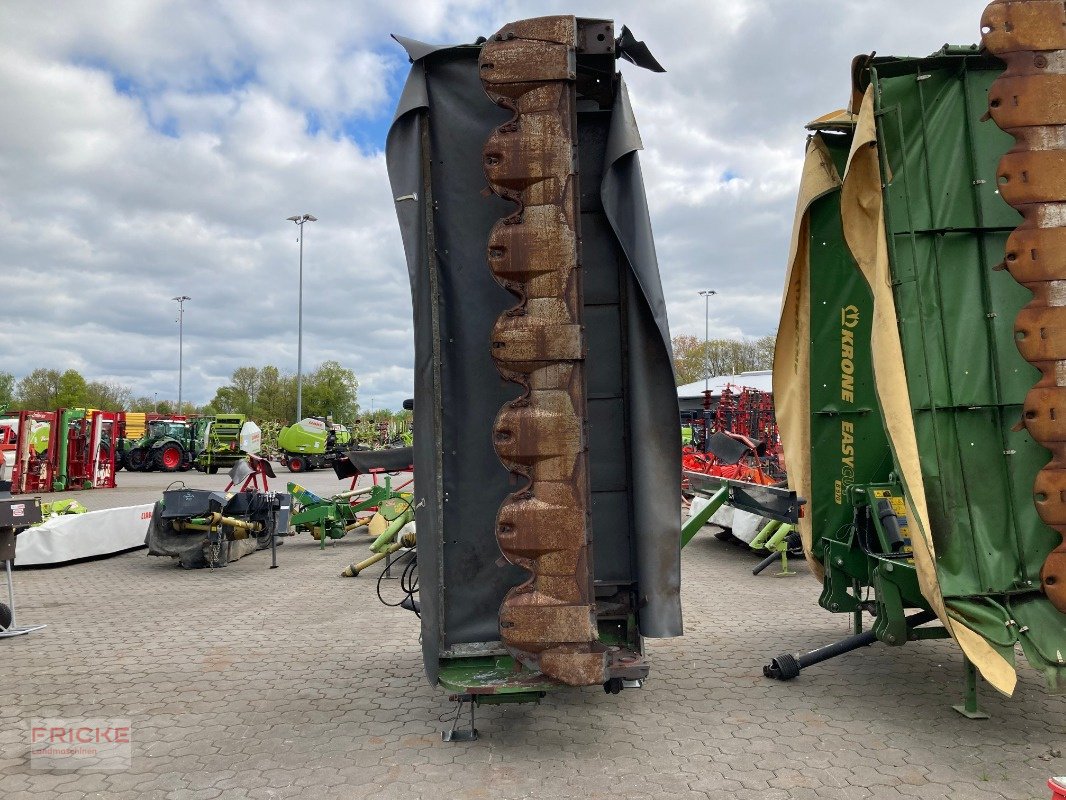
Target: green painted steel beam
(698, 520)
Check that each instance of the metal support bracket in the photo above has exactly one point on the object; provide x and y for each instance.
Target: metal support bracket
(13, 628)
(970, 708)
(455, 734)
(697, 521)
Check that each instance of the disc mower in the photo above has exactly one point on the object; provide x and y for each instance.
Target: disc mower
(921, 443)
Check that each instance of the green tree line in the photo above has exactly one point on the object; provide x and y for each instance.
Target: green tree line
(49, 389)
(695, 359)
(263, 393)
(267, 393)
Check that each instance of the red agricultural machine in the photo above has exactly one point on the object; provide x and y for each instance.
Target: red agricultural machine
(63, 450)
(736, 438)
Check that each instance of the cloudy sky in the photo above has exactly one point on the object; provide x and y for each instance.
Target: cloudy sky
(152, 148)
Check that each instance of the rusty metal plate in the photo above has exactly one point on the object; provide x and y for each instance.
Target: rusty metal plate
(1036, 254)
(542, 438)
(529, 252)
(1031, 176)
(1044, 410)
(1029, 102)
(1053, 577)
(576, 667)
(533, 161)
(596, 36)
(509, 63)
(1011, 25)
(548, 622)
(1049, 491)
(560, 29)
(1040, 330)
(519, 345)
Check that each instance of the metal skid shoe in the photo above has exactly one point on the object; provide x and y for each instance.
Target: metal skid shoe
(454, 734)
(788, 666)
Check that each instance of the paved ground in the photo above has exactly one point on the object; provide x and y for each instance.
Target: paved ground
(294, 682)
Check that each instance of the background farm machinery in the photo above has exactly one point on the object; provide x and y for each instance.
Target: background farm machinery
(771, 514)
(337, 516)
(72, 448)
(312, 443)
(203, 528)
(386, 515)
(734, 436)
(168, 445)
(62, 450)
(206, 443)
(16, 514)
(223, 440)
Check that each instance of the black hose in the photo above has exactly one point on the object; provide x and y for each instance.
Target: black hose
(408, 583)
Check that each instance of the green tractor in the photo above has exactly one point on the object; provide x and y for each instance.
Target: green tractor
(168, 445)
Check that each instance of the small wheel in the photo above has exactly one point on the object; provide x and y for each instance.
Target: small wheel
(6, 617)
(170, 457)
(296, 464)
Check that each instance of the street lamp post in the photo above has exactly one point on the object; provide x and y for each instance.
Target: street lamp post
(706, 295)
(181, 343)
(300, 219)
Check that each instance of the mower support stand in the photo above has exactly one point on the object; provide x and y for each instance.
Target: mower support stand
(453, 735)
(970, 708)
(14, 629)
